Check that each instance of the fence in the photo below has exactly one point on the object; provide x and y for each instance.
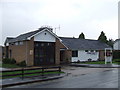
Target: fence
(24, 72)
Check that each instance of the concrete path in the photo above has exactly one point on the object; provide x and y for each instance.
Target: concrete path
(1, 69)
(26, 80)
(96, 65)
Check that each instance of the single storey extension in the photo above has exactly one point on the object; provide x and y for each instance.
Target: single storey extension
(43, 47)
(116, 44)
(85, 49)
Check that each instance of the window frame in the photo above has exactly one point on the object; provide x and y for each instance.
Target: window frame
(75, 53)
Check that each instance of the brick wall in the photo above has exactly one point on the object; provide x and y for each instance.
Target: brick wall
(23, 52)
(18, 52)
(101, 55)
(68, 55)
(58, 45)
(30, 52)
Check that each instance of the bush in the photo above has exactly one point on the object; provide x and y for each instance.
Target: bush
(116, 60)
(13, 61)
(22, 64)
(6, 61)
(9, 61)
(89, 60)
(116, 55)
(78, 61)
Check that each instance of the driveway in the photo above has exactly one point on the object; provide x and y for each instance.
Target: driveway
(83, 70)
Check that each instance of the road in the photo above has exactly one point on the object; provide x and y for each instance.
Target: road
(100, 78)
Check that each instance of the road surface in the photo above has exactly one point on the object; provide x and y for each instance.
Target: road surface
(100, 78)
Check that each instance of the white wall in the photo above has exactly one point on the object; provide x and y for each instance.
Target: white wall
(84, 56)
(116, 45)
(44, 38)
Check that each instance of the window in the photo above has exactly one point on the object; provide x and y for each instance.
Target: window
(92, 50)
(75, 53)
(21, 43)
(42, 44)
(45, 33)
(86, 50)
(11, 43)
(48, 44)
(96, 50)
(36, 44)
(16, 43)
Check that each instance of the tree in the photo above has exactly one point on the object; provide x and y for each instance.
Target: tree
(82, 36)
(103, 37)
(110, 42)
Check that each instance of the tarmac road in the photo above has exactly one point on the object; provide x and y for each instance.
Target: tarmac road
(107, 78)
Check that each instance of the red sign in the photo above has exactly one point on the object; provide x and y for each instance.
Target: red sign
(108, 54)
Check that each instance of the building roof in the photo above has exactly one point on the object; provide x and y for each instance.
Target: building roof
(8, 40)
(26, 35)
(83, 44)
(117, 40)
(71, 43)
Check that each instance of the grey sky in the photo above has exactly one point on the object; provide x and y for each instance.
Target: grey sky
(74, 16)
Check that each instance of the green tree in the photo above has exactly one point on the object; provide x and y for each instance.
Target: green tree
(82, 36)
(103, 37)
(110, 42)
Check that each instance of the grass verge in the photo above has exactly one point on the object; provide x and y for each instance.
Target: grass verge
(9, 66)
(115, 61)
(34, 74)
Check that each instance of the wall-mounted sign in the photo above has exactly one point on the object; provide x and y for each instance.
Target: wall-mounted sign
(31, 52)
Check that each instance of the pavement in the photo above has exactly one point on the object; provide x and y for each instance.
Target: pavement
(96, 65)
(19, 81)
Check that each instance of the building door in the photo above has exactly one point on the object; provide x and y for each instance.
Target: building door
(62, 56)
(44, 53)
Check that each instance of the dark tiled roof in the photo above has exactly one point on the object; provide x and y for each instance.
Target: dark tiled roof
(26, 35)
(116, 40)
(71, 43)
(83, 44)
(8, 39)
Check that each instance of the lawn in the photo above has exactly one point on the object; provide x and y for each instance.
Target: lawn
(31, 71)
(9, 66)
(98, 62)
(19, 72)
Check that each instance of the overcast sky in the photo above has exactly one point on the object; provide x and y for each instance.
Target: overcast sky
(74, 16)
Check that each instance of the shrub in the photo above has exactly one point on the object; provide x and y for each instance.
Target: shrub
(116, 55)
(89, 60)
(116, 60)
(6, 61)
(22, 64)
(78, 61)
(13, 61)
(9, 61)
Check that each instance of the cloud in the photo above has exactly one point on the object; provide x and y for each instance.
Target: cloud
(74, 16)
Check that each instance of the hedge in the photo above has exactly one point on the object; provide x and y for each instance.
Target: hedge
(116, 54)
